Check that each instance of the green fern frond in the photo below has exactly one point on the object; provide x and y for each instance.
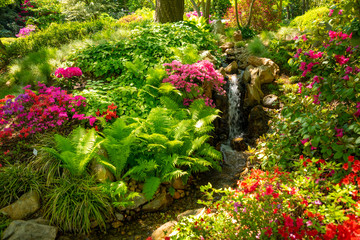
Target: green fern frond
(209, 151)
(169, 103)
(203, 122)
(77, 134)
(53, 152)
(154, 138)
(150, 186)
(159, 121)
(173, 145)
(204, 129)
(197, 143)
(142, 170)
(174, 174)
(63, 144)
(182, 128)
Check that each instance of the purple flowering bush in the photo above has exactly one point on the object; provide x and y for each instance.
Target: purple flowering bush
(31, 112)
(322, 118)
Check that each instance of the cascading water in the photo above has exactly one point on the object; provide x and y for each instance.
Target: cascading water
(234, 96)
(231, 156)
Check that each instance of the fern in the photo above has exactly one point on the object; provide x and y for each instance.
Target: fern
(150, 186)
(76, 151)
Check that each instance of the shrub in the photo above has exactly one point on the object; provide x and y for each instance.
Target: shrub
(29, 113)
(328, 87)
(311, 18)
(192, 80)
(50, 37)
(265, 17)
(220, 7)
(280, 205)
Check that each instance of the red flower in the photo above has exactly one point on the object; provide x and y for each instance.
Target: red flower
(351, 158)
(346, 166)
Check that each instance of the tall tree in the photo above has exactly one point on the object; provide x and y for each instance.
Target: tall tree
(207, 10)
(237, 15)
(169, 11)
(196, 8)
(250, 14)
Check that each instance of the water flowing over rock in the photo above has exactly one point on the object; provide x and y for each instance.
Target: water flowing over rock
(234, 96)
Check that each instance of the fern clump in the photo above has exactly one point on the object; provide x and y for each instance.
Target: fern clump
(170, 143)
(77, 150)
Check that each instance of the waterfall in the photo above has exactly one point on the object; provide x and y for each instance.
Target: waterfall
(234, 96)
(235, 121)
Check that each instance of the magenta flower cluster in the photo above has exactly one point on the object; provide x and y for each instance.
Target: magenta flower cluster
(26, 31)
(29, 113)
(68, 72)
(191, 79)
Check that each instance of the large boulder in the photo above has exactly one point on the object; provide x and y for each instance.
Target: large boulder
(159, 203)
(193, 212)
(271, 101)
(27, 204)
(258, 122)
(101, 173)
(257, 62)
(226, 46)
(232, 68)
(218, 27)
(163, 231)
(237, 36)
(29, 230)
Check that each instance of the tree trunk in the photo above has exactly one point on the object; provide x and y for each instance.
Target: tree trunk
(196, 7)
(250, 14)
(237, 15)
(304, 6)
(280, 10)
(169, 11)
(207, 10)
(2, 48)
(288, 12)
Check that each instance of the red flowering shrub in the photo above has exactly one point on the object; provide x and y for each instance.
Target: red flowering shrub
(30, 112)
(195, 80)
(306, 204)
(264, 17)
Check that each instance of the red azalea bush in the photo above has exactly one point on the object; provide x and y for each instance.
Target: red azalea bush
(307, 204)
(30, 112)
(195, 80)
(322, 119)
(264, 16)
